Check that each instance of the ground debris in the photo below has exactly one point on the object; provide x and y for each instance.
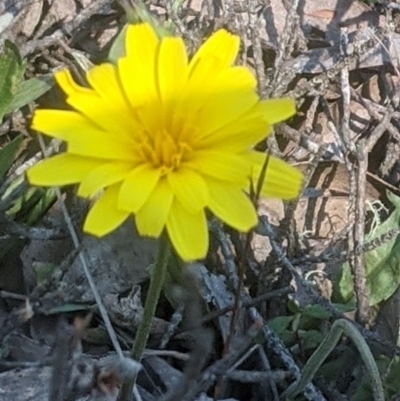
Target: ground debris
(340, 62)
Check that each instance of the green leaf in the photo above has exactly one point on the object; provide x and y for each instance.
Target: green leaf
(43, 271)
(280, 324)
(344, 308)
(32, 204)
(12, 69)
(317, 311)
(382, 264)
(7, 155)
(30, 90)
(389, 370)
(332, 368)
(343, 285)
(311, 339)
(118, 47)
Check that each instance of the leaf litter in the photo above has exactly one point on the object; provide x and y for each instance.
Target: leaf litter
(340, 62)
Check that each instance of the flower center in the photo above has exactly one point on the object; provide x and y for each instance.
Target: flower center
(165, 151)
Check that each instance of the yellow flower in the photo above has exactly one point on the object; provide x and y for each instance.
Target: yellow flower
(166, 139)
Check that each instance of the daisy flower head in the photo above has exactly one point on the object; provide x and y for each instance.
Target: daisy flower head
(164, 138)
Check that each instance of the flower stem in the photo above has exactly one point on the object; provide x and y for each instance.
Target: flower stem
(156, 284)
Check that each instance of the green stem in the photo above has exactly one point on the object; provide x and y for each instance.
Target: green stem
(156, 284)
(328, 344)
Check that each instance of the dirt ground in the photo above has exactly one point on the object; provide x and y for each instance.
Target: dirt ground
(331, 255)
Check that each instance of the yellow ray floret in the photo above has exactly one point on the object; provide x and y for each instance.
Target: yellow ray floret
(165, 138)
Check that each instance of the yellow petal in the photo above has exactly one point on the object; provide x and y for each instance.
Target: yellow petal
(137, 69)
(141, 93)
(220, 99)
(231, 205)
(69, 86)
(137, 187)
(188, 232)
(194, 95)
(221, 165)
(238, 136)
(190, 189)
(84, 138)
(141, 42)
(62, 169)
(232, 95)
(237, 79)
(282, 181)
(202, 77)
(151, 218)
(222, 46)
(101, 111)
(277, 110)
(104, 80)
(104, 216)
(138, 80)
(172, 71)
(102, 177)
(216, 55)
(244, 132)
